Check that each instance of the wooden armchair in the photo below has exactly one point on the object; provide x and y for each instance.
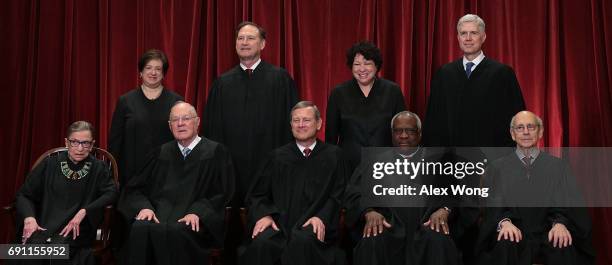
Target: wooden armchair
(101, 247)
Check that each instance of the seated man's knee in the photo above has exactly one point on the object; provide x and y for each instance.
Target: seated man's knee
(267, 238)
(141, 223)
(301, 237)
(505, 244)
(435, 238)
(371, 242)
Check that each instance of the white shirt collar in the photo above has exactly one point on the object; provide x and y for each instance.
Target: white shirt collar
(304, 147)
(476, 60)
(252, 67)
(411, 154)
(192, 145)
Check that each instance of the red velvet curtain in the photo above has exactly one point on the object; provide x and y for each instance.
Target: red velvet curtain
(66, 60)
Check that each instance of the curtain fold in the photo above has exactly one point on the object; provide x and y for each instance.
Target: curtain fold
(66, 60)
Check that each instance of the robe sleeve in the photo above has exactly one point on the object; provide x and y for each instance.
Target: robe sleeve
(400, 105)
(115, 136)
(218, 191)
(513, 100)
(212, 126)
(30, 193)
(331, 208)
(434, 129)
(352, 197)
(106, 191)
(135, 194)
(292, 99)
(332, 120)
(258, 200)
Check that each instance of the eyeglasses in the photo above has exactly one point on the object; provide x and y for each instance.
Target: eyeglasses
(76, 143)
(408, 131)
(521, 128)
(183, 118)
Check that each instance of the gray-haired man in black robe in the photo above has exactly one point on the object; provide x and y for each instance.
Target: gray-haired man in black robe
(294, 203)
(179, 198)
(529, 219)
(401, 235)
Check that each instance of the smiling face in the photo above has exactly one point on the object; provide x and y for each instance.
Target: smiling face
(526, 131)
(184, 123)
(79, 145)
(304, 124)
(406, 133)
(249, 43)
(363, 70)
(470, 39)
(152, 73)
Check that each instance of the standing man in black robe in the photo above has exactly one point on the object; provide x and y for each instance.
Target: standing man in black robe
(473, 98)
(248, 107)
(178, 199)
(401, 235)
(530, 219)
(294, 203)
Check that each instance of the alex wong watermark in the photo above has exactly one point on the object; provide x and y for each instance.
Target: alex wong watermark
(405, 168)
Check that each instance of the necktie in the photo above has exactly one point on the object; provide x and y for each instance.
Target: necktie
(307, 152)
(527, 162)
(186, 152)
(249, 72)
(468, 68)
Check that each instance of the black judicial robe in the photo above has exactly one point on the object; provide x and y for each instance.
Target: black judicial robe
(354, 121)
(53, 200)
(291, 189)
(472, 112)
(407, 241)
(551, 186)
(139, 125)
(250, 116)
(173, 187)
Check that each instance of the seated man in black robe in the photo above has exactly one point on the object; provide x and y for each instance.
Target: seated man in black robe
(178, 200)
(63, 198)
(400, 235)
(294, 203)
(529, 219)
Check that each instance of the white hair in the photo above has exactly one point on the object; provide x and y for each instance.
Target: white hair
(471, 18)
(406, 113)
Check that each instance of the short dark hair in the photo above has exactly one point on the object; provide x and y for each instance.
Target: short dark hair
(153, 54)
(307, 104)
(262, 31)
(369, 52)
(78, 126)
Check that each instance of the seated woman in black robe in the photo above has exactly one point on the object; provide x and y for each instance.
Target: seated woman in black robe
(62, 199)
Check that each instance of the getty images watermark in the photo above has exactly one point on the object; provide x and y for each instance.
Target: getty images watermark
(406, 167)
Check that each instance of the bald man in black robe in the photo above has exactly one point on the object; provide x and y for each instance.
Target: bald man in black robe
(178, 200)
(532, 215)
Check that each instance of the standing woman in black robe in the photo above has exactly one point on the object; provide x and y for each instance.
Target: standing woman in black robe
(63, 198)
(359, 111)
(140, 121)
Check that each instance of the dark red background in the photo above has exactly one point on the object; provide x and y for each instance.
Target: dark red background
(67, 60)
